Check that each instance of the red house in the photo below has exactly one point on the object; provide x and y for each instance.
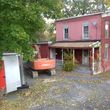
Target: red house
(88, 36)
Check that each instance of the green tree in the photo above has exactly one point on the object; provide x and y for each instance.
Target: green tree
(49, 33)
(107, 3)
(20, 20)
(81, 7)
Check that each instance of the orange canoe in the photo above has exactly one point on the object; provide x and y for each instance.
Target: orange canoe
(43, 64)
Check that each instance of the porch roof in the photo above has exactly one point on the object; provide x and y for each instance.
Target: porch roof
(73, 44)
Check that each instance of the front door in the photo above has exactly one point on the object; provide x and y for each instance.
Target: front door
(85, 57)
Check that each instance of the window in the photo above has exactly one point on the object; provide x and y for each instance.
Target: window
(107, 29)
(66, 33)
(85, 31)
(106, 52)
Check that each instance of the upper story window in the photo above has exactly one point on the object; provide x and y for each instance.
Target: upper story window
(106, 52)
(66, 34)
(107, 29)
(85, 33)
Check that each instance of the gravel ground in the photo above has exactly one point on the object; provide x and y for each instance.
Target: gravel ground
(65, 91)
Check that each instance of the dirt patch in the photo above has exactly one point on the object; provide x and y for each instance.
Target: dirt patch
(65, 91)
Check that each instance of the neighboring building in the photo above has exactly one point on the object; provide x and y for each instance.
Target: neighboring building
(42, 49)
(88, 36)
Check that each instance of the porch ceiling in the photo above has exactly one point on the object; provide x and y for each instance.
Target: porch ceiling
(72, 44)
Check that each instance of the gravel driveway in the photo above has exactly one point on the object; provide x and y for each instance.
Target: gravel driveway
(65, 91)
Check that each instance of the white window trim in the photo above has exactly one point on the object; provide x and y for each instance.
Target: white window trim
(107, 23)
(65, 27)
(85, 24)
(107, 56)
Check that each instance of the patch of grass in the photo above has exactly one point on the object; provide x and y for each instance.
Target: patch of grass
(61, 90)
(63, 102)
(27, 97)
(88, 81)
(105, 75)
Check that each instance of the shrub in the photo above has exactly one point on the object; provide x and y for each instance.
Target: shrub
(69, 64)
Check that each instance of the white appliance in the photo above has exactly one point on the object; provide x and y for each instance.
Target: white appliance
(12, 71)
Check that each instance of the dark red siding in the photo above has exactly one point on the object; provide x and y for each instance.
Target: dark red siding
(44, 50)
(105, 64)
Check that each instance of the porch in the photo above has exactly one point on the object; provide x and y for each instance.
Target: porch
(87, 54)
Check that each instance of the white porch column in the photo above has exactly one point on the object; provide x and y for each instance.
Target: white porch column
(62, 57)
(73, 56)
(93, 62)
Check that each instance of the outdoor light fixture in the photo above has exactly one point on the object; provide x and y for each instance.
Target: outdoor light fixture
(94, 23)
(106, 26)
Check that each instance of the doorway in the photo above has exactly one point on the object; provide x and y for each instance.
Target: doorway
(85, 57)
